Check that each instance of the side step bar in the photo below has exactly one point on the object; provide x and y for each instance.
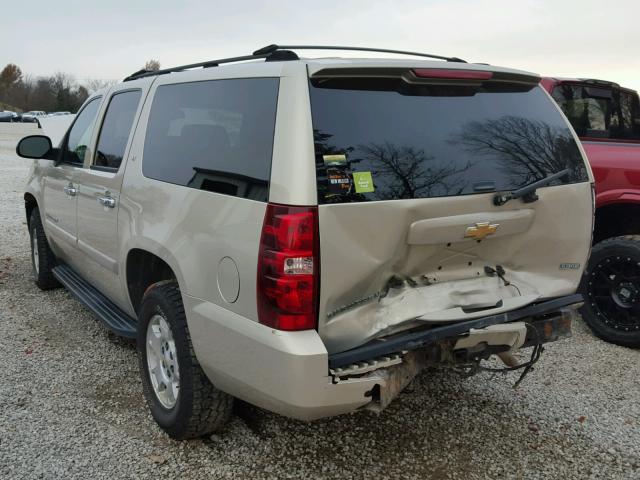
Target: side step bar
(110, 314)
(422, 338)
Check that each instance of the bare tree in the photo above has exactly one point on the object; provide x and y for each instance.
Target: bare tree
(400, 171)
(152, 65)
(407, 172)
(10, 74)
(57, 92)
(527, 150)
(94, 84)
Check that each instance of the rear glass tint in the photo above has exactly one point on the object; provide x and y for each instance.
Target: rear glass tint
(386, 140)
(215, 135)
(600, 111)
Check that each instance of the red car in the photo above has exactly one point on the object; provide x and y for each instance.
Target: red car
(606, 117)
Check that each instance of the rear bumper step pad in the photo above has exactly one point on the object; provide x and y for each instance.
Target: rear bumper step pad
(108, 313)
(416, 340)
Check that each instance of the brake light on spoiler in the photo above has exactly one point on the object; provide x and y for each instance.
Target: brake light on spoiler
(288, 268)
(452, 74)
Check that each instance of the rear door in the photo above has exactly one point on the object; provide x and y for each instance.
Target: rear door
(99, 191)
(61, 182)
(407, 169)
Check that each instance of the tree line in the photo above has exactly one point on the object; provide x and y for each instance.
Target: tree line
(58, 92)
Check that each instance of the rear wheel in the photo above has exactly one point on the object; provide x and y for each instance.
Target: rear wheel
(181, 398)
(42, 258)
(611, 289)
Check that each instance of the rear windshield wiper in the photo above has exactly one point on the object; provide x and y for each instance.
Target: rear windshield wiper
(528, 192)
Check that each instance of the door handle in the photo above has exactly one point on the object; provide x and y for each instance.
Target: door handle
(109, 202)
(70, 190)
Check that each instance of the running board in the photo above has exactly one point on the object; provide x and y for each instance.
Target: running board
(111, 315)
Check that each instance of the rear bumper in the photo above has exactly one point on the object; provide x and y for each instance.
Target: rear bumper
(422, 338)
(289, 372)
(284, 372)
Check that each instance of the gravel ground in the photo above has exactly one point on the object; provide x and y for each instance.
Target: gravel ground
(71, 405)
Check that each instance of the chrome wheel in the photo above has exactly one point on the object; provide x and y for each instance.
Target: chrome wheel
(162, 361)
(36, 255)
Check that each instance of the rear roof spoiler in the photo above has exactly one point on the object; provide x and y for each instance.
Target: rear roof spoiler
(413, 76)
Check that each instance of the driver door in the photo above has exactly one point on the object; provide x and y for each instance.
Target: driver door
(61, 185)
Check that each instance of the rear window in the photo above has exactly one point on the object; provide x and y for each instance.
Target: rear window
(215, 135)
(378, 139)
(600, 112)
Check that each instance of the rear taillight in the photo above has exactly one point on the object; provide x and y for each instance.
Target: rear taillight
(452, 74)
(288, 268)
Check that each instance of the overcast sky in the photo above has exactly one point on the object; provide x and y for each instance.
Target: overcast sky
(110, 39)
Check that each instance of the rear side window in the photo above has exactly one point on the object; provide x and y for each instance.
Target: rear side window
(382, 139)
(215, 135)
(600, 112)
(116, 128)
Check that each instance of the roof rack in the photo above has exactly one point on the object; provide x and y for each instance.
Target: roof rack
(275, 48)
(276, 53)
(210, 63)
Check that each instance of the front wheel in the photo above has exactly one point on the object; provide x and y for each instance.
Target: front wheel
(611, 289)
(181, 398)
(42, 258)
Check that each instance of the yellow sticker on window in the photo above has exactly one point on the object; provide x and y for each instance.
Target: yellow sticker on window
(363, 182)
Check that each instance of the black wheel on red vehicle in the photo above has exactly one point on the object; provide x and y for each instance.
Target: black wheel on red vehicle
(611, 289)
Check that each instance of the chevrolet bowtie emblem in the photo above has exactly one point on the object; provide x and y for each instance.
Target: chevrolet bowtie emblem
(481, 230)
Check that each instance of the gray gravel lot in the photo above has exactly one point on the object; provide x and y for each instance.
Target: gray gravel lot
(71, 405)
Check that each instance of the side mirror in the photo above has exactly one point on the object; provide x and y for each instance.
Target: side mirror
(34, 146)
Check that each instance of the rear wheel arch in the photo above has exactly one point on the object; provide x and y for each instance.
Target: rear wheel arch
(143, 269)
(616, 219)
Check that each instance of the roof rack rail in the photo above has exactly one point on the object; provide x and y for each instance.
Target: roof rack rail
(274, 48)
(275, 53)
(269, 56)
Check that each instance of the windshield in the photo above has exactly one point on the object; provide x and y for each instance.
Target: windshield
(381, 139)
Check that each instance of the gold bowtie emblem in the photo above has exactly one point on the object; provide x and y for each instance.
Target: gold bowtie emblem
(481, 230)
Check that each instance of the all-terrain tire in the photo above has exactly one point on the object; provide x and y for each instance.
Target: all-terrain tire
(200, 408)
(42, 258)
(611, 290)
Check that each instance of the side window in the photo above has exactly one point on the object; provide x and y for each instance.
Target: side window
(625, 117)
(116, 128)
(588, 114)
(80, 133)
(215, 135)
(600, 112)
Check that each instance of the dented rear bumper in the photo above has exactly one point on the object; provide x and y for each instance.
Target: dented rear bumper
(404, 342)
(497, 338)
(287, 372)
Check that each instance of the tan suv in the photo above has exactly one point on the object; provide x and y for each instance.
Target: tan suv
(308, 234)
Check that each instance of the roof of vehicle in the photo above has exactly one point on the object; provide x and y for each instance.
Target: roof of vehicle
(589, 81)
(283, 55)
